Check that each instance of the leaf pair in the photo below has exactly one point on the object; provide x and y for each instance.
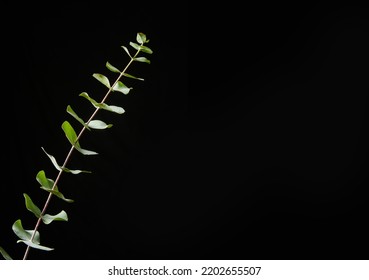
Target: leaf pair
(29, 237)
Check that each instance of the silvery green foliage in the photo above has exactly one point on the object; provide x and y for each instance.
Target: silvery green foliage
(31, 238)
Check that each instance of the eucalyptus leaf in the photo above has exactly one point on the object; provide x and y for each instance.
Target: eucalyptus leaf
(60, 168)
(43, 180)
(31, 206)
(53, 160)
(57, 194)
(119, 86)
(146, 49)
(5, 255)
(47, 185)
(142, 59)
(112, 68)
(72, 137)
(62, 216)
(25, 234)
(127, 51)
(36, 246)
(111, 108)
(85, 152)
(71, 112)
(135, 46)
(102, 79)
(97, 124)
(70, 133)
(132, 77)
(141, 38)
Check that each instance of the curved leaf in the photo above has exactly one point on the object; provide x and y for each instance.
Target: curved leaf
(62, 216)
(5, 254)
(132, 77)
(111, 108)
(47, 184)
(135, 46)
(141, 48)
(25, 234)
(70, 133)
(96, 124)
(43, 180)
(31, 206)
(141, 38)
(142, 59)
(72, 137)
(71, 112)
(58, 194)
(127, 51)
(119, 86)
(146, 49)
(112, 68)
(36, 246)
(60, 168)
(102, 79)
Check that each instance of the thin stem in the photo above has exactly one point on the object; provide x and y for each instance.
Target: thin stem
(67, 158)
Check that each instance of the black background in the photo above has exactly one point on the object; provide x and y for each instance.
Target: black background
(248, 138)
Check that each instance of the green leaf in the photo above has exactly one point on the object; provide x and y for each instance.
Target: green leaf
(25, 234)
(142, 59)
(141, 48)
(132, 77)
(72, 137)
(62, 216)
(53, 160)
(141, 38)
(119, 86)
(102, 79)
(47, 184)
(85, 152)
(71, 112)
(127, 51)
(58, 194)
(70, 133)
(112, 108)
(112, 68)
(5, 254)
(146, 49)
(31, 206)
(135, 46)
(96, 124)
(36, 246)
(60, 168)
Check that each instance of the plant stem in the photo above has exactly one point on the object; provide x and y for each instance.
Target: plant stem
(70, 154)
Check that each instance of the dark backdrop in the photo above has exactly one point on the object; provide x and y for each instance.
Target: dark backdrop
(247, 140)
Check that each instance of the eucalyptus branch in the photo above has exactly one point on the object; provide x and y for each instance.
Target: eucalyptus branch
(32, 237)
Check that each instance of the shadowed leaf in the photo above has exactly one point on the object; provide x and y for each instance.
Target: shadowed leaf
(5, 254)
(60, 168)
(31, 206)
(47, 184)
(71, 112)
(72, 137)
(111, 108)
(142, 59)
(25, 234)
(112, 68)
(102, 79)
(36, 246)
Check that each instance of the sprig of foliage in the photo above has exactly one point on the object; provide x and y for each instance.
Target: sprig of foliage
(32, 237)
